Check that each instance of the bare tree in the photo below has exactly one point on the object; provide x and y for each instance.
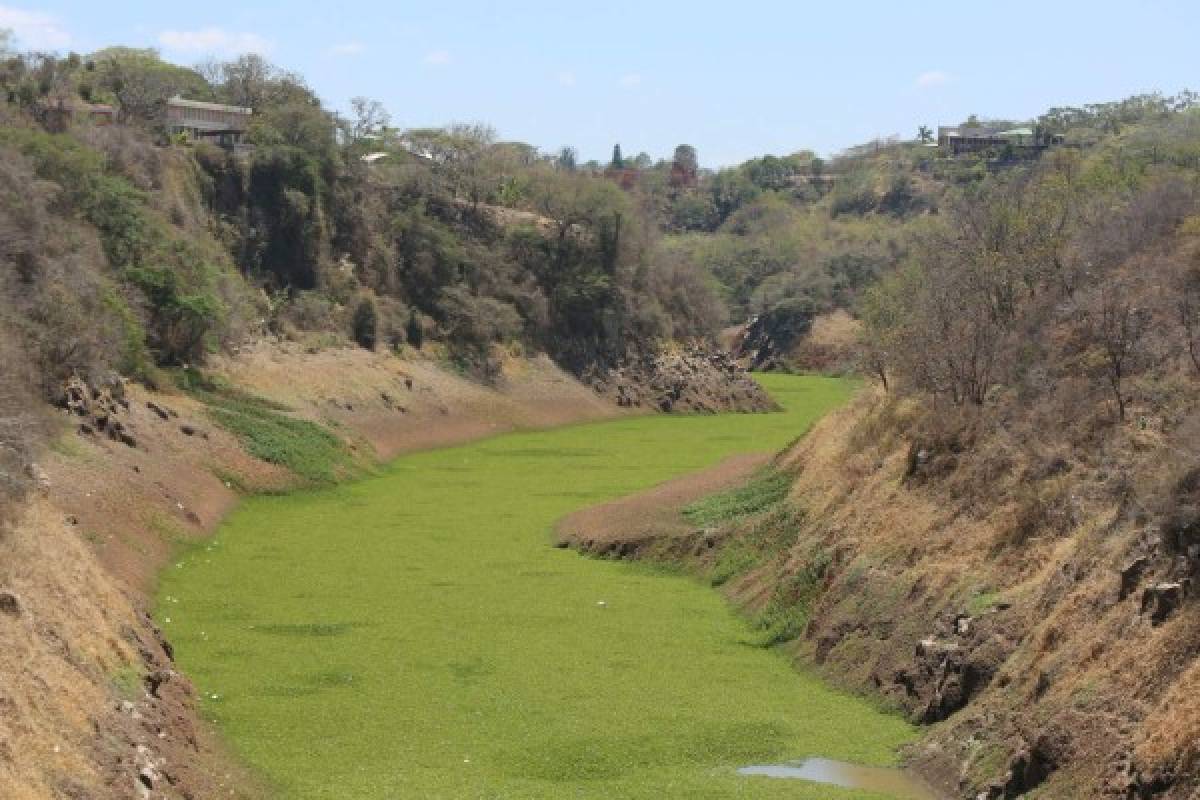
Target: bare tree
(370, 118)
(1187, 307)
(1118, 324)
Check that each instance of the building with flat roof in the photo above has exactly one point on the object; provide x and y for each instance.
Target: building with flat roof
(214, 122)
(963, 139)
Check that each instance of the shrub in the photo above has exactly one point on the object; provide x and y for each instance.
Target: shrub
(364, 325)
(21, 430)
(181, 321)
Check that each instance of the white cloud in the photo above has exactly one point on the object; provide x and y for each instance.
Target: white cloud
(213, 40)
(566, 78)
(631, 80)
(347, 49)
(927, 80)
(438, 58)
(34, 30)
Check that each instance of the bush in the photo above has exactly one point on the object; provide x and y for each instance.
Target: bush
(181, 321)
(364, 325)
(22, 429)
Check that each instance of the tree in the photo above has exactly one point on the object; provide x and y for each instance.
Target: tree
(1117, 323)
(617, 161)
(567, 159)
(365, 323)
(142, 82)
(731, 189)
(253, 82)
(685, 166)
(770, 172)
(370, 118)
(924, 134)
(1187, 292)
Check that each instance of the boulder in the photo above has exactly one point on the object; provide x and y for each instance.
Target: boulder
(1162, 599)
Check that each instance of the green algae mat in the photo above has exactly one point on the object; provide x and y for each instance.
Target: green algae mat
(415, 634)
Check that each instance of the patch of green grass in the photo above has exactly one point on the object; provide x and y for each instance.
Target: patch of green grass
(982, 601)
(304, 447)
(67, 445)
(765, 489)
(128, 683)
(786, 615)
(310, 450)
(413, 635)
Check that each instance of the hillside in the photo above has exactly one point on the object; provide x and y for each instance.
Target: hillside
(999, 538)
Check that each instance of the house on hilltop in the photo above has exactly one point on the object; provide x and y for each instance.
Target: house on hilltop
(215, 122)
(963, 139)
(59, 114)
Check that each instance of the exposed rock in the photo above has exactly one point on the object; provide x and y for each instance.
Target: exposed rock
(769, 338)
(1131, 575)
(10, 603)
(1161, 599)
(695, 380)
(99, 404)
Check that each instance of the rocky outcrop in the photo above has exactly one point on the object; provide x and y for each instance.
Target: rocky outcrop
(100, 404)
(694, 380)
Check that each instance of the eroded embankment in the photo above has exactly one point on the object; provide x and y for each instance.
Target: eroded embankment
(1066, 665)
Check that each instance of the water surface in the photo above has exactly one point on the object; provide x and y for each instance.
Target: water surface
(891, 781)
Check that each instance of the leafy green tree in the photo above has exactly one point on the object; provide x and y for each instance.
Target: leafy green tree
(770, 172)
(731, 189)
(618, 162)
(924, 134)
(142, 83)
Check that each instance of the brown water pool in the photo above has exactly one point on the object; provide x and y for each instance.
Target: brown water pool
(896, 782)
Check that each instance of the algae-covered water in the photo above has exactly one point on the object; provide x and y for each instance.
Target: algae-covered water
(415, 635)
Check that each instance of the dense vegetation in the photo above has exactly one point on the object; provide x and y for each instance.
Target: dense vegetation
(1049, 314)
(128, 250)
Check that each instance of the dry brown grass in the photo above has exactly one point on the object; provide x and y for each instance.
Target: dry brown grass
(1018, 516)
(831, 345)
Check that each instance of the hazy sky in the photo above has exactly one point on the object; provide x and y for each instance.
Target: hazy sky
(735, 79)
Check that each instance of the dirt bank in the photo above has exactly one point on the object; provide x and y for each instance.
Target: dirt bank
(90, 705)
(652, 518)
(1066, 666)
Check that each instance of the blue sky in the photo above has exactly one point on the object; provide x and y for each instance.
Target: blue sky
(734, 79)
